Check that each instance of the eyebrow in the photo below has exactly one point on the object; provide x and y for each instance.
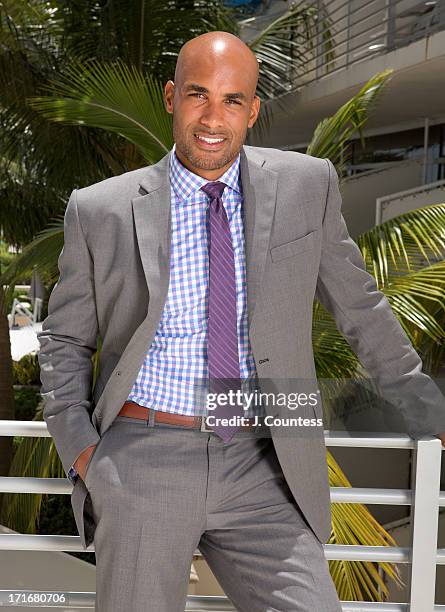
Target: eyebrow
(195, 87)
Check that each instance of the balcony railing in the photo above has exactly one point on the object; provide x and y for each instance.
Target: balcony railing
(425, 499)
(346, 33)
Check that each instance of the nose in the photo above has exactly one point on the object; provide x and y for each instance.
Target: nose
(211, 116)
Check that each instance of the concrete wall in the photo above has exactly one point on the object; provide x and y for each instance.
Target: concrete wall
(360, 192)
(403, 204)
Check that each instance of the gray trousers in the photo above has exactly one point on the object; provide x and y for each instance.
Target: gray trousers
(159, 492)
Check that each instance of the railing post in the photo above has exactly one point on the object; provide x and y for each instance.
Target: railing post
(319, 59)
(425, 521)
(390, 25)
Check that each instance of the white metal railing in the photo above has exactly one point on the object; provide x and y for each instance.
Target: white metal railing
(348, 33)
(337, 34)
(382, 203)
(425, 499)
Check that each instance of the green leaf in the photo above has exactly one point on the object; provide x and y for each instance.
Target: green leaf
(332, 135)
(114, 97)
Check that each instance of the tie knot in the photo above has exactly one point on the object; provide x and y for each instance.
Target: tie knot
(214, 189)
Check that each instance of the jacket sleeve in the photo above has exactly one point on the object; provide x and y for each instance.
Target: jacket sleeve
(68, 341)
(364, 317)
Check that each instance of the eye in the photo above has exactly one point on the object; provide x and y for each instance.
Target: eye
(233, 100)
(197, 94)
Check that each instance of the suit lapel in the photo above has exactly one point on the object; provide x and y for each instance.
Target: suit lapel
(152, 218)
(259, 193)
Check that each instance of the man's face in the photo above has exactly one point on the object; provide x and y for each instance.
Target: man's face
(213, 105)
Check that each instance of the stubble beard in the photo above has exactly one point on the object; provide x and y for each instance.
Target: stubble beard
(202, 160)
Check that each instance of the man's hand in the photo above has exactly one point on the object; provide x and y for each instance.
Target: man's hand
(83, 459)
(441, 436)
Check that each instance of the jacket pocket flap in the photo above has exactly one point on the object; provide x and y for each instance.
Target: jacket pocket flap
(293, 247)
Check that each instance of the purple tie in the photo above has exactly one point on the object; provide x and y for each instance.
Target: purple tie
(222, 348)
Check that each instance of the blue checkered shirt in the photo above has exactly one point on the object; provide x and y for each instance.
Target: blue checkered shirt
(177, 357)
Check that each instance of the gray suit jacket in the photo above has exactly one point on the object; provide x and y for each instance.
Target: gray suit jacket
(114, 277)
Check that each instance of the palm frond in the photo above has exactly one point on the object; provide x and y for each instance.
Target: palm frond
(42, 253)
(404, 243)
(408, 293)
(35, 457)
(353, 524)
(112, 97)
(285, 47)
(332, 134)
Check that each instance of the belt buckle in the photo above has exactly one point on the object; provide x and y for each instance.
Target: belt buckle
(204, 426)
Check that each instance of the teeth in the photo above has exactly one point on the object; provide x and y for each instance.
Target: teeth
(210, 140)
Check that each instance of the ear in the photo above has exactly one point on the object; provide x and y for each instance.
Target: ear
(169, 91)
(254, 111)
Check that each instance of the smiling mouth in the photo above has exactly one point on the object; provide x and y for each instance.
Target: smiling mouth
(209, 142)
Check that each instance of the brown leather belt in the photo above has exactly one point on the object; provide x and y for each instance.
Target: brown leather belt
(136, 411)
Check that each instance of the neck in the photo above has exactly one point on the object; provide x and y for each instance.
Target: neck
(210, 175)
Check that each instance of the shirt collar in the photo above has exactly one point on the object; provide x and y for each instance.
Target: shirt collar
(185, 182)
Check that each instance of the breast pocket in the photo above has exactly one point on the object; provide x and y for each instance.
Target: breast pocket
(299, 245)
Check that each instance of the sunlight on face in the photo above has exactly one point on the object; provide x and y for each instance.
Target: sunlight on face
(213, 103)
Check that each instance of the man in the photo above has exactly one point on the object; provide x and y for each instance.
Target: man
(208, 262)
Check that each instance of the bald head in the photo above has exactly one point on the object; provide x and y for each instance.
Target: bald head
(217, 48)
(213, 101)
